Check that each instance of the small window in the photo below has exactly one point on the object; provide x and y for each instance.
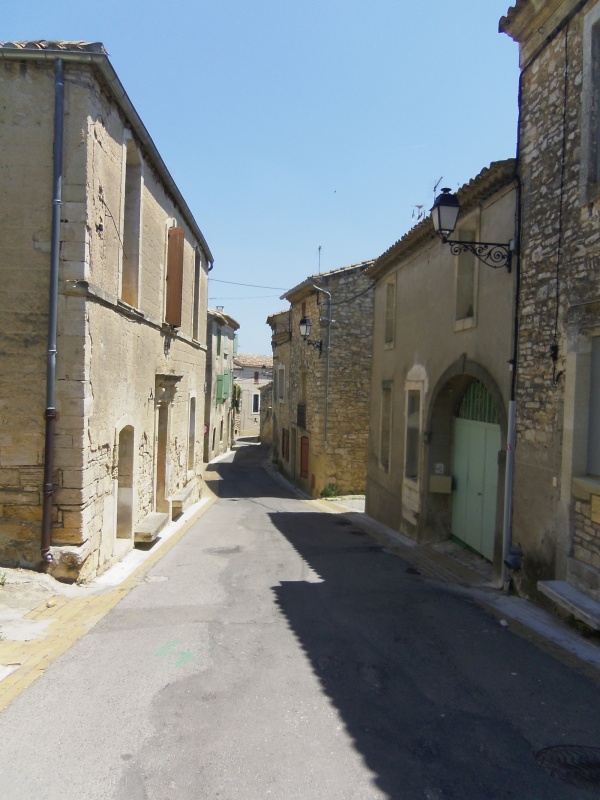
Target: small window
(174, 278)
(219, 389)
(226, 384)
(390, 312)
(255, 403)
(281, 384)
(386, 427)
(413, 430)
(256, 376)
(218, 341)
(466, 283)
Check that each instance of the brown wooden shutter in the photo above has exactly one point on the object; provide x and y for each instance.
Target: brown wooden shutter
(174, 276)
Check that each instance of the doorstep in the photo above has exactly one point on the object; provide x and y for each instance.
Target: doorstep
(580, 605)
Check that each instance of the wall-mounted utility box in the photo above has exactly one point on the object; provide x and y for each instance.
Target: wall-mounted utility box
(440, 484)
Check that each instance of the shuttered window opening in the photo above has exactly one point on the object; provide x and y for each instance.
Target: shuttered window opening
(174, 278)
(226, 383)
(219, 389)
(304, 445)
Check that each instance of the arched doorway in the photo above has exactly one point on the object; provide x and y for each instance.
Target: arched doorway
(125, 484)
(475, 444)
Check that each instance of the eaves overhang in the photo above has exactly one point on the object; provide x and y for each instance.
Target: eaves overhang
(307, 286)
(532, 23)
(95, 55)
(470, 195)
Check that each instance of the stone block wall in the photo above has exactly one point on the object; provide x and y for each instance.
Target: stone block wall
(109, 354)
(559, 273)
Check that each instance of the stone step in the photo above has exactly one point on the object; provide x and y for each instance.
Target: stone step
(580, 605)
(184, 498)
(148, 529)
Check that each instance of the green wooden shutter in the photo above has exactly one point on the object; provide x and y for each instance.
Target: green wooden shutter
(219, 388)
(226, 385)
(235, 345)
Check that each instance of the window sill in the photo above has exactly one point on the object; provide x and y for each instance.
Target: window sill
(584, 487)
(388, 345)
(465, 324)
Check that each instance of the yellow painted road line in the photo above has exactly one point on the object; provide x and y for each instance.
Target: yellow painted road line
(71, 618)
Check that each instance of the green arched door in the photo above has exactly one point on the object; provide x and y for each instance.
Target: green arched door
(475, 470)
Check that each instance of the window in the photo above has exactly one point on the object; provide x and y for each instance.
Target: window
(255, 403)
(218, 341)
(221, 432)
(281, 384)
(466, 282)
(219, 389)
(192, 434)
(174, 278)
(593, 453)
(285, 444)
(390, 312)
(197, 278)
(235, 344)
(386, 426)
(590, 101)
(256, 374)
(413, 430)
(304, 455)
(132, 225)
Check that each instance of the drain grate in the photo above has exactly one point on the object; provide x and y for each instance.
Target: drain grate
(574, 764)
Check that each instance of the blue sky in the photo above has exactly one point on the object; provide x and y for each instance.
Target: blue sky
(293, 125)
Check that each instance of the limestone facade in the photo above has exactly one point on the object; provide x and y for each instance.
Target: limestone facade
(321, 397)
(557, 483)
(443, 334)
(129, 375)
(219, 409)
(251, 372)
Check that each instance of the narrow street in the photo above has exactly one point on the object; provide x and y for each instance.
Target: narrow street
(279, 652)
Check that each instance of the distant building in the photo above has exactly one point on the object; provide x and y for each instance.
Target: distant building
(94, 234)
(251, 372)
(219, 409)
(321, 382)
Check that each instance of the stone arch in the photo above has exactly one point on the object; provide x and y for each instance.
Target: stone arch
(446, 398)
(125, 475)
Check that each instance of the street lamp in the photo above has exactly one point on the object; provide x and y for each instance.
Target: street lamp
(444, 214)
(305, 329)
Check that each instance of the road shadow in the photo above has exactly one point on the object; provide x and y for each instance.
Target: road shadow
(441, 701)
(242, 474)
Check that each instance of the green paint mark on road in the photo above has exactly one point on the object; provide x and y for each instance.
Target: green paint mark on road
(175, 650)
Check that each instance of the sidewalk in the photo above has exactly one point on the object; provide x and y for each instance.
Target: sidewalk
(40, 618)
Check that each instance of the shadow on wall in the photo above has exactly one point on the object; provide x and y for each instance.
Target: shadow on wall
(422, 680)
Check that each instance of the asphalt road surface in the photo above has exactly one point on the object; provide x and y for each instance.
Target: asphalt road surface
(278, 652)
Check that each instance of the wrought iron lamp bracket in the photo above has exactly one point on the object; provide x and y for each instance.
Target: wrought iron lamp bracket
(492, 254)
(317, 345)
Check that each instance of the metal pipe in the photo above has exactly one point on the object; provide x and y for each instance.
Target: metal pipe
(50, 413)
(508, 487)
(327, 352)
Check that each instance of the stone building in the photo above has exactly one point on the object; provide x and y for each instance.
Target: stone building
(321, 381)
(250, 373)
(221, 340)
(557, 479)
(441, 377)
(104, 279)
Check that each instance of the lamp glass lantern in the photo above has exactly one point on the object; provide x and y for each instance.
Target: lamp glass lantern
(305, 327)
(444, 213)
